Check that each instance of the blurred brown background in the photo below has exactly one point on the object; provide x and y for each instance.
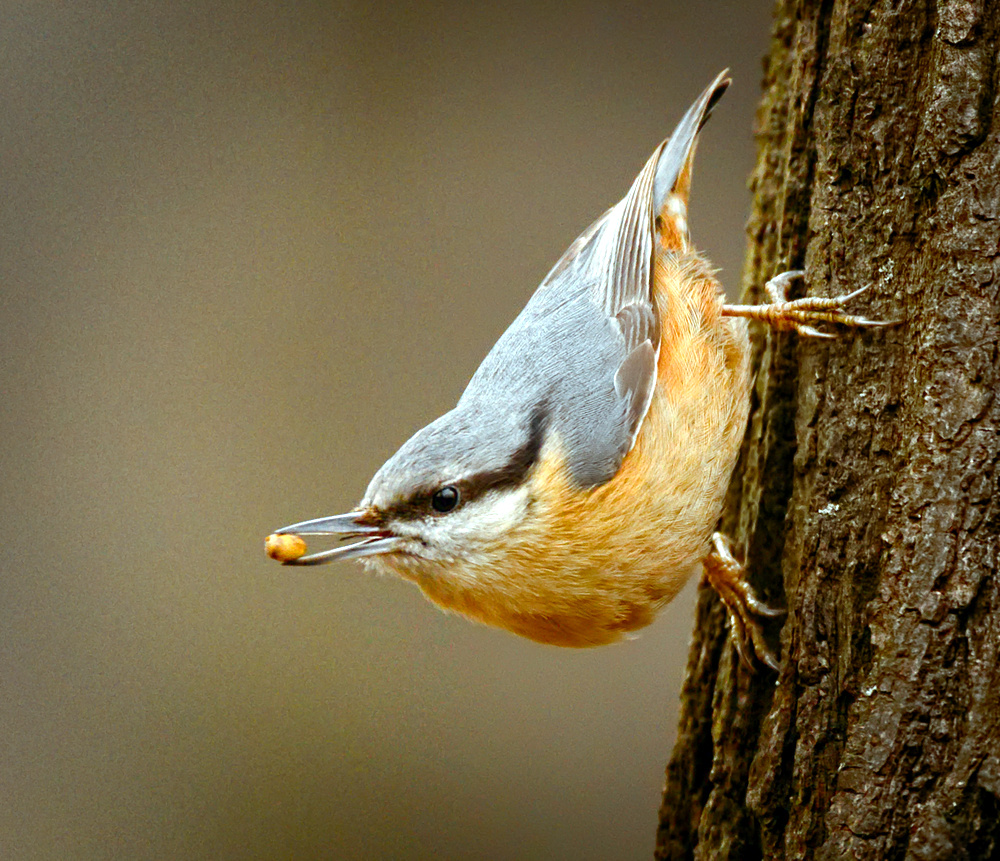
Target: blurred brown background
(245, 250)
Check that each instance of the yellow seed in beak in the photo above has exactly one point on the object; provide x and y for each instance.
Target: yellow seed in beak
(284, 548)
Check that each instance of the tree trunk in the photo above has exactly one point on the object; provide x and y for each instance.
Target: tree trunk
(866, 498)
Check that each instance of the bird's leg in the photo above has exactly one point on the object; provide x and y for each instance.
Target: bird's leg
(797, 314)
(727, 576)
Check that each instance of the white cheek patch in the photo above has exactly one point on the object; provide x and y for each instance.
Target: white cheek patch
(483, 521)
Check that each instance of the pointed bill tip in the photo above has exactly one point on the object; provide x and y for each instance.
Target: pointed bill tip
(352, 523)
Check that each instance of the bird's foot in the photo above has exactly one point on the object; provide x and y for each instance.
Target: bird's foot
(799, 315)
(745, 610)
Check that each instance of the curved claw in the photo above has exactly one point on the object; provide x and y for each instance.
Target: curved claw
(798, 315)
(810, 332)
(744, 609)
(844, 298)
(872, 324)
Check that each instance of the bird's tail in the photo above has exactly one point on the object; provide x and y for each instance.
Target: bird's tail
(672, 183)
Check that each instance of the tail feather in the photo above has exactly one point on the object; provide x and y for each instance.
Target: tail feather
(672, 183)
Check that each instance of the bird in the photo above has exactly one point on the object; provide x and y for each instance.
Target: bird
(578, 483)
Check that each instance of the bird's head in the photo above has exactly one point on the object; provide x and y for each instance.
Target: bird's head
(446, 503)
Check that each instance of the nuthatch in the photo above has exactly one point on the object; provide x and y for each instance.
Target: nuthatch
(578, 482)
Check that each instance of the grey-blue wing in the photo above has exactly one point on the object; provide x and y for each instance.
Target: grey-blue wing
(559, 360)
(583, 352)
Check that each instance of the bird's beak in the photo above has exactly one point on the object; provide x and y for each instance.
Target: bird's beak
(375, 540)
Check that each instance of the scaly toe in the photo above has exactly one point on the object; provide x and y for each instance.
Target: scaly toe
(743, 608)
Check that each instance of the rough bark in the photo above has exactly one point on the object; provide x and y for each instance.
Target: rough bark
(866, 499)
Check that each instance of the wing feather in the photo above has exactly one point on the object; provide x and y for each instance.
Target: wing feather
(587, 344)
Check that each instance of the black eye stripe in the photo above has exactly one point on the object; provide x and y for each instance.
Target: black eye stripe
(471, 487)
(516, 470)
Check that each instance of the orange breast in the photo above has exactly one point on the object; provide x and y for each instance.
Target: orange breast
(607, 558)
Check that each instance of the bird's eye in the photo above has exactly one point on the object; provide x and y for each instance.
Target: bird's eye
(445, 499)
